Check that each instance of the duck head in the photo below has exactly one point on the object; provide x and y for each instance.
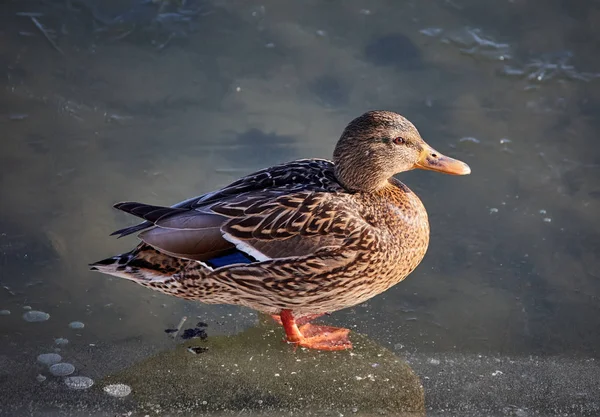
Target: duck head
(379, 144)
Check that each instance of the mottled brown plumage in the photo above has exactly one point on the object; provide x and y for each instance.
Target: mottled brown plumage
(298, 239)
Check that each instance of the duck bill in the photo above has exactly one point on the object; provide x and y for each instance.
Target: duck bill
(432, 160)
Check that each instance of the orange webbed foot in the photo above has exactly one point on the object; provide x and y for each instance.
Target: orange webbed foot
(324, 337)
(313, 336)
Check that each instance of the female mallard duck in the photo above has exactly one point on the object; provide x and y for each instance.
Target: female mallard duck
(295, 240)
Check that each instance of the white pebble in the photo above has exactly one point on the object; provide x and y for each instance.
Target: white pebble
(434, 361)
(61, 341)
(4, 312)
(26, 307)
(118, 390)
(493, 210)
(34, 316)
(79, 382)
(547, 219)
(496, 373)
(76, 325)
(49, 358)
(505, 140)
(542, 211)
(62, 369)
(40, 378)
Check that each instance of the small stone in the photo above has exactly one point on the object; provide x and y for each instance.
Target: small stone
(197, 349)
(504, 141)
(194, 333)
(118, 390)
(34, 316)
(26, 307)
(434, 361)
(547, 219)
(542, 211)
(79, 382)
(493, 210)
(62, 369)
(49, 359)
(4, 312)
(61, 341)
(76, 325)
(40, 378)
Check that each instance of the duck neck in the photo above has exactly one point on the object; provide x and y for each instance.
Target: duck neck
(365, 179)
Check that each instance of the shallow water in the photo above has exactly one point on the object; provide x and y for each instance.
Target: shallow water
(131, 101)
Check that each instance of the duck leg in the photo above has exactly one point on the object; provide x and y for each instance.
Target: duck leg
(314, 336)
(300, 321)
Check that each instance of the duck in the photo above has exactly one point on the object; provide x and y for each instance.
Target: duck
(296, 240)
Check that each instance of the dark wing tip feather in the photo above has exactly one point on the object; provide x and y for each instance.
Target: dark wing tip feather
(126, 231)
(147, 212)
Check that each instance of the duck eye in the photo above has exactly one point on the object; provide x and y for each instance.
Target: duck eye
(399, 140)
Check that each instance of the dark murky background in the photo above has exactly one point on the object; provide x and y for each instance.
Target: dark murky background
(160, 101)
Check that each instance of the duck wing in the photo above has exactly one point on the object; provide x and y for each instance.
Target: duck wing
(288, 210)
(314, 173)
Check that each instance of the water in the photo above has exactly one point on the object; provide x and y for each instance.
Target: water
(128, 101)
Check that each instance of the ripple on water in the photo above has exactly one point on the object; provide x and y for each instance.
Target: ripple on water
(79, 382)
(62, 369)
(49, 358)
(76, 325)
(118, 390)
(34, 316)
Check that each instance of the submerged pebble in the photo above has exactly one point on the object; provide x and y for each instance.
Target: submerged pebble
(34, 316)
(40, 378)
(4, 312)
(118, 390)
(49, 358)
(26, 307)
(79, 382)
(197, 349)
(76, 325)
(62, 369)
(194, 333)
(61, 341)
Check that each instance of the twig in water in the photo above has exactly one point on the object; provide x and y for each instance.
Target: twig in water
(41, 28)
(179, 326)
